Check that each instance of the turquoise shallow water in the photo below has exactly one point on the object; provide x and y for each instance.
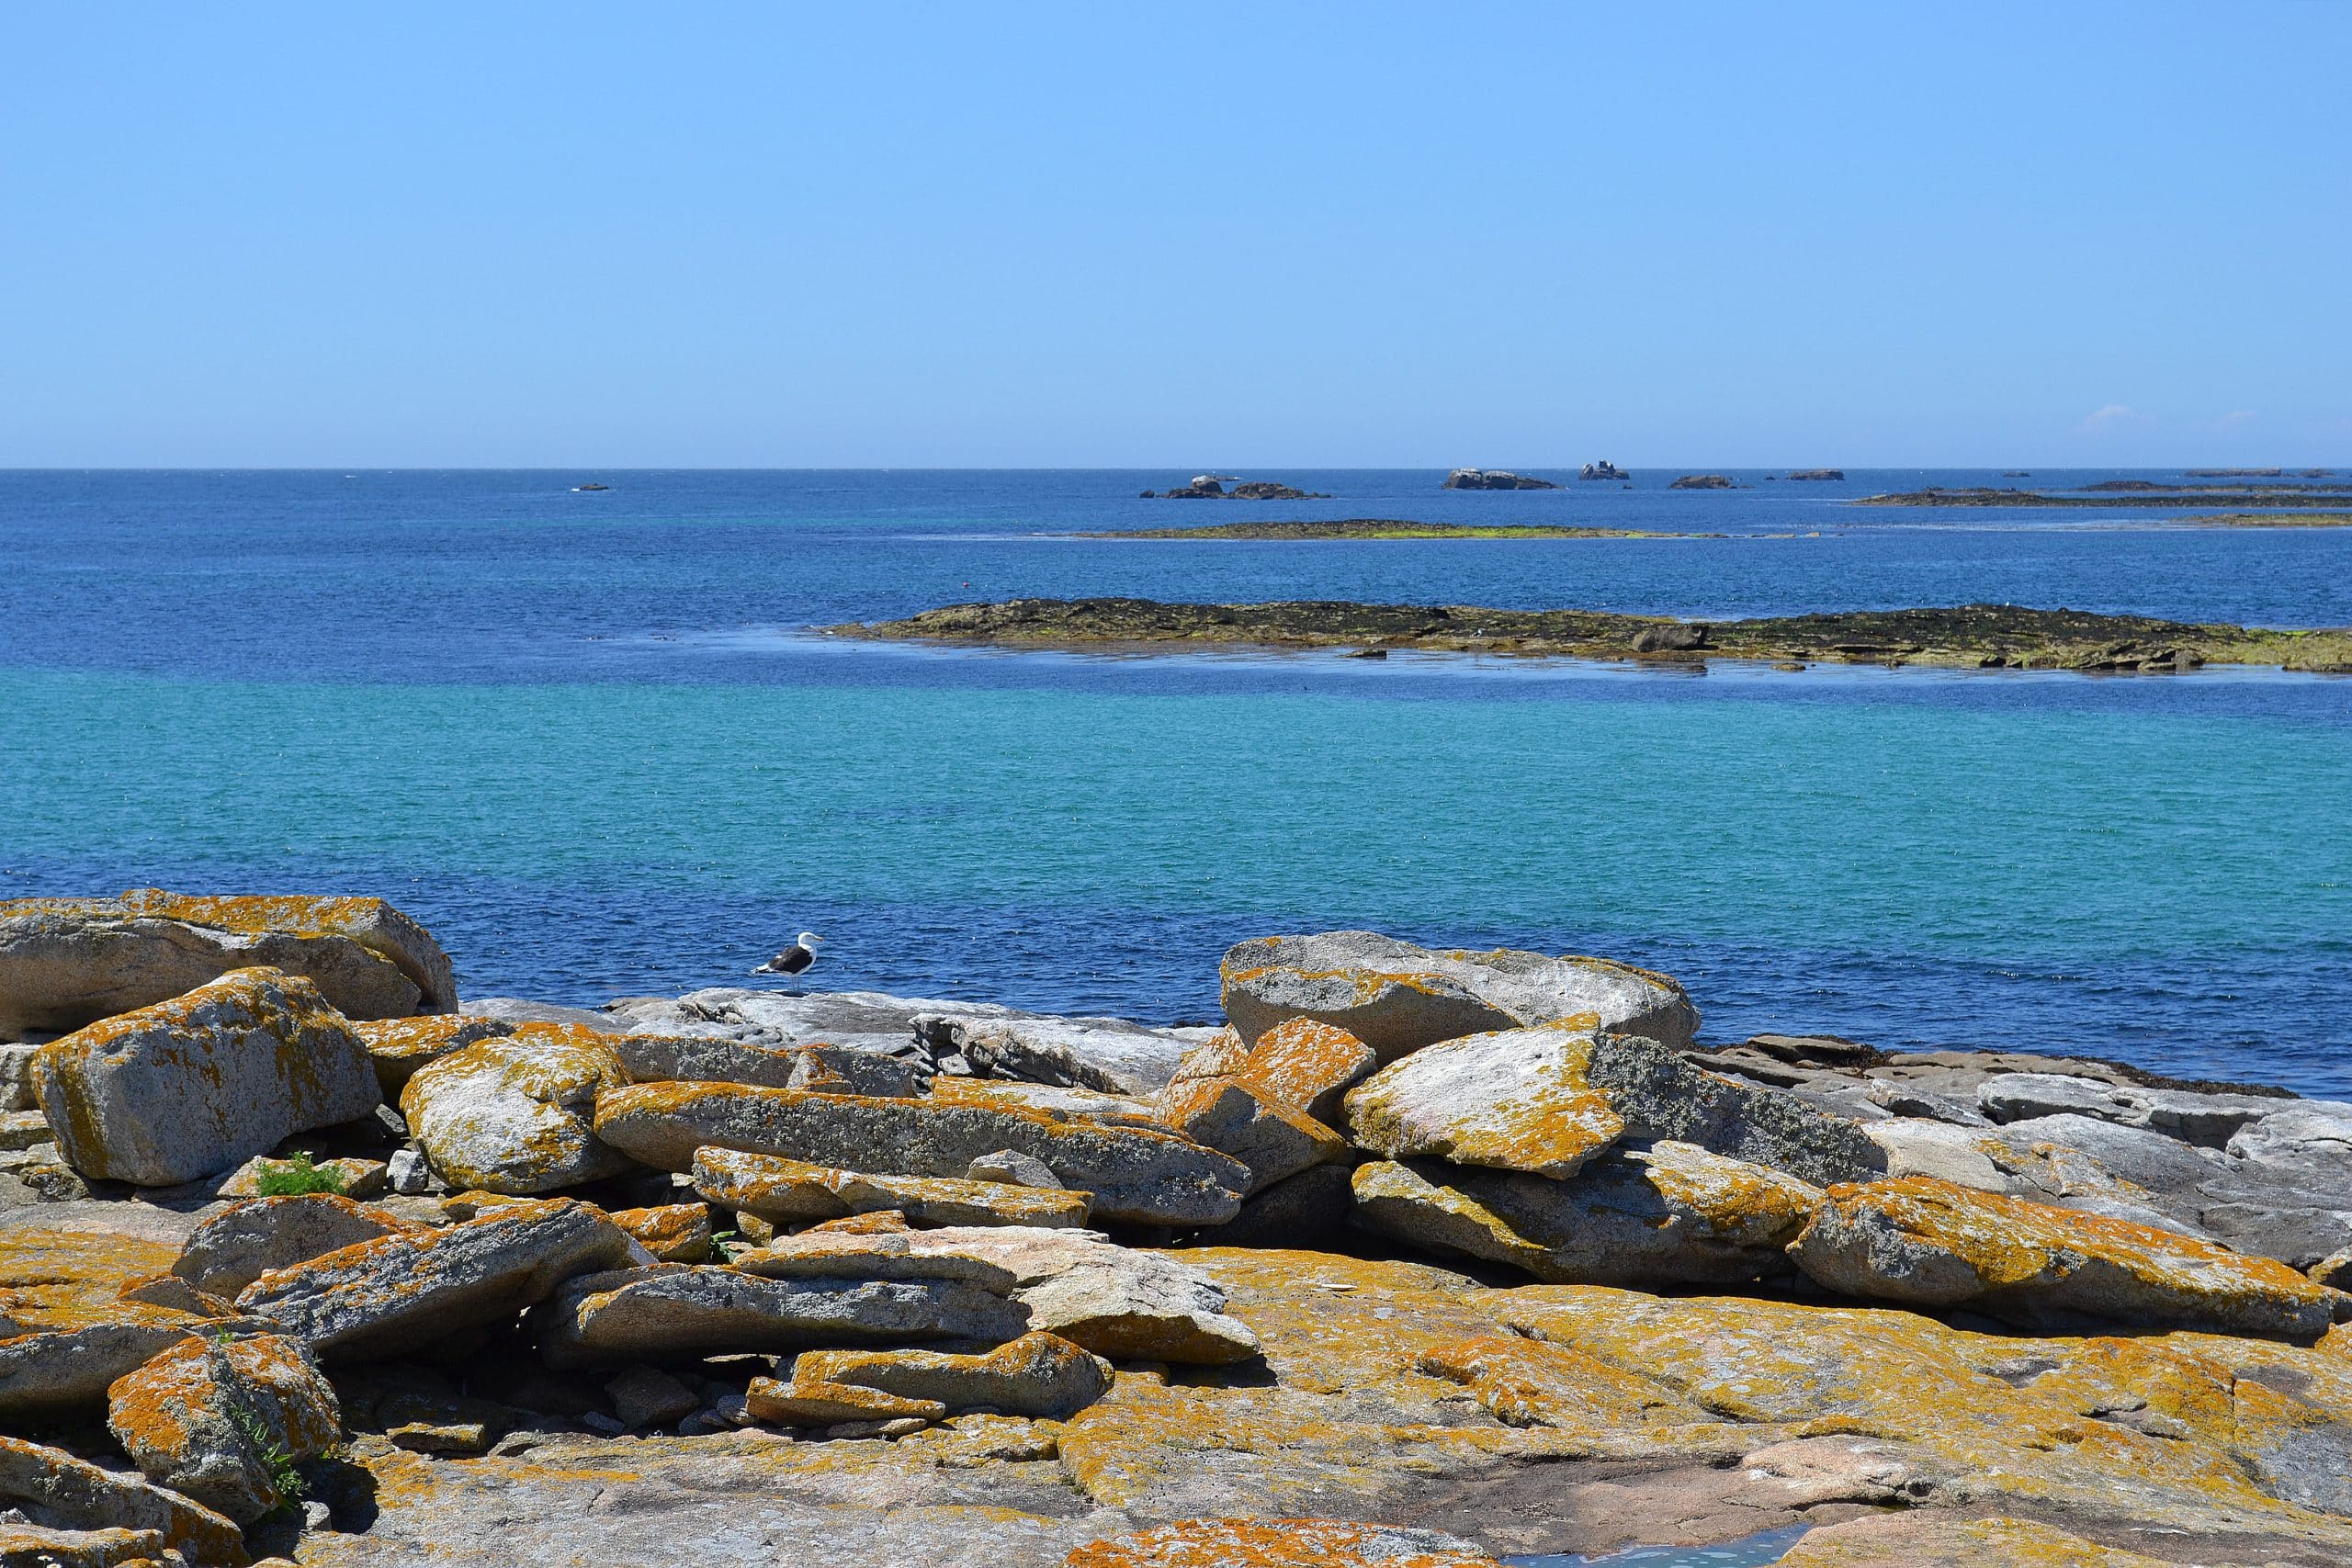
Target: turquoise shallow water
(588, 739)
(2174, 886)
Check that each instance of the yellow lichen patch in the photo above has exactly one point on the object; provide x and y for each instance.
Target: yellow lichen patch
(1926, 1540)
(1056, 1101)
(1513, 1100)
(777, 1188)
(1751, 1203)
(673, 1233)
(1526, 1382)
(813, 1402)
(57, 1281)
(1973, 1245)
(1305, 1061)
(2009, 1414)
(399, 1046)
(1269, 1543)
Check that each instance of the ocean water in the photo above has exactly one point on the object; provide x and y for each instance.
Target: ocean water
(590, 740)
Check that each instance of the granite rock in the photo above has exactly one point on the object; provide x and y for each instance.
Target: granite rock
(1515, 1099)
(784, 1189)
(238, 1245)
(216, 1421)
(516, 1115)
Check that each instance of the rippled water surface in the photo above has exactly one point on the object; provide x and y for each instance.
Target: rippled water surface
(589, 739)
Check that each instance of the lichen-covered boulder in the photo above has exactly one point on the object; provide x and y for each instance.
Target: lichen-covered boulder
(670, 1310)
(52, 1488)
(399, 1046)
(1235, 1116)
(806, 1402)
(221, 1421)
(408, 1290)
(1136, 1175)
(238, 1245)
(704, 1059)
(66, 963)
(1910, 1538)
(39, 1546)
(1309, 1063)
(672, 1233)
(204, 1081)
(357, 1177)
(1038, 1374)
(1397, 997)
(67, 1328)
(1670, 1214)
(1515, 1099)
(775, 1187)
(1919, 1240)
(516, 1115)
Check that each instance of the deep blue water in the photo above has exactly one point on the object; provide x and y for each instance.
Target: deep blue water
(589, 739)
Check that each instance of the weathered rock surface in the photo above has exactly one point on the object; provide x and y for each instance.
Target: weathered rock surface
(1660, 1095)
(1308, 1063)
(66, 1330)
(1397, 998)
(238, 1245)
(1115, 1301)
(1134, 1174)
(1282, 1543)
(37, 1546)
(1515, 1099)
(516, 1115)
(54, 1489)
(672, 1310)
(809, 1401)
(1235, 1116)
(204, 1081)
(67, 963)
(406, 1291)
(1929, 1540)
(218, 1421)
(360, 1179)
(1672, 1215)
(399, 1046)
(775, 1187)
(672, 1233)
(1110, 1054)
(1038, 1374)
(1917, 1239)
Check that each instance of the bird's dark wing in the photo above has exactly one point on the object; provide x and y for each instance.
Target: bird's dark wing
(793, 960)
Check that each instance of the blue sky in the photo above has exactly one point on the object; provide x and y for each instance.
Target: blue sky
(1247, 235)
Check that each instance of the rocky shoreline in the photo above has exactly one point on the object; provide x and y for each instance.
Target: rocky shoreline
(1424, 1257)
(1983, 637)
(2123, 494)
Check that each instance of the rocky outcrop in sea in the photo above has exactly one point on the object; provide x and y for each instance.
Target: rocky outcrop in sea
(1422, 1255)
(1494, 478)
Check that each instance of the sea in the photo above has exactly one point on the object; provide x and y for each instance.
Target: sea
(598, 741)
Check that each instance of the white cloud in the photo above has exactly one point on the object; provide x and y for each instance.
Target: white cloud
(2113, 414)
(2235, 417)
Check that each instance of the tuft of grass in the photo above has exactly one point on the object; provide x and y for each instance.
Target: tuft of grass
(293, 1177)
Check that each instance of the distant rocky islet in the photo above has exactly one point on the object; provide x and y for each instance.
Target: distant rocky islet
(1414, 1238)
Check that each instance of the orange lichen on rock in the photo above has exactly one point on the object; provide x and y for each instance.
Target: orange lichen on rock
(1515, 1099)
(1916, 1238)
(673, 1233)
(1279, 1543)
(1308, 1064)
(1928, 1540)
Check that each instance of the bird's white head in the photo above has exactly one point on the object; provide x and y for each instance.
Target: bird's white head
(808, 940)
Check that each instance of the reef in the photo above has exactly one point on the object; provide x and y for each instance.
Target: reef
(1383, 528)
(1984, 637)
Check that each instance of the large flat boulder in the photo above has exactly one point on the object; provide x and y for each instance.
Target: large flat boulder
(1515, 1099)
(516, 1115)
(204, 1081)
(233, 1249)
(1931, 1243)
(1110, 1054)
(220, 1421)
(408, 1290)
(66, 963)
(793, 1190)
(1136, 1175)
(670, 1310)
(1397, 997)
(399, 1046)
(1670, 1214)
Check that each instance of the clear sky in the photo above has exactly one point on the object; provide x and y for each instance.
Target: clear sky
(1247, 235)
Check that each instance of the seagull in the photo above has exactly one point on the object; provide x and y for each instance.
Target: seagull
(793, 959)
